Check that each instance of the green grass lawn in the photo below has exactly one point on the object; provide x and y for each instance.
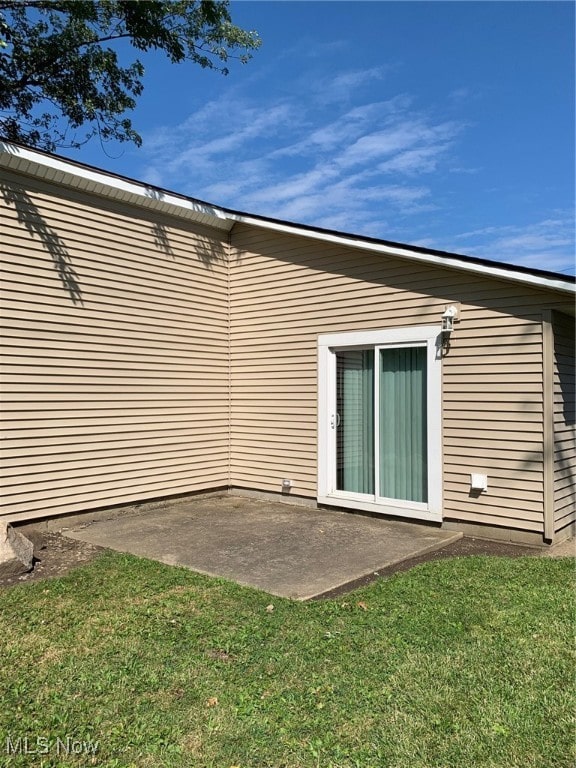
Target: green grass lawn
(464, 662)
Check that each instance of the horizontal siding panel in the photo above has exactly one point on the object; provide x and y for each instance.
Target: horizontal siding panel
(348, 296)
(100, 497)
(63, 360)
(279, 262)
(69, 221)
(526, 411)
(40, 357)
(97, 268)
(498, 395)
(490, 517)
(52, 400)
(564, 452)
(116, 321)
(188, 323)
(454, 377)
(297, 414)
(363, 273)
(248, 375)
(326, 291)
(279, 346)
(506, 368)
(473, 329)
(82, 456)
(515, 497)
(355, 314)
(78, 427)
(129, 474)
(564, 496)
(301, 352)
(105, 439)
(493, 431)
(264, 395)
(504, 500)
(104, 300)
(68, 376)
(524, 353)
(501, 472)
(562, 520)
(158, 244)
(565, 479)
(274, 446)
(244, 459)
(258, 388)
(188, 241)
(257, 481)
(498, 479)
(274, 474)
(12, 336)
(287, 428)
(564, 473)
(97, 293)
(100, 411)
(90, 390)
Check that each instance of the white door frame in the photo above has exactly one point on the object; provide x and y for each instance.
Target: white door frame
(328, 345)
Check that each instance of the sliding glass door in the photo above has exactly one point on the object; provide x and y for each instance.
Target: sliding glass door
(380, 423)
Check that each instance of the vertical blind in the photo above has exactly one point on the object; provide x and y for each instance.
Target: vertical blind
(355, 433)
(401, 430)
(402, 427)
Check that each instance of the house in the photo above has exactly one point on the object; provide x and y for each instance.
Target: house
(156, 345)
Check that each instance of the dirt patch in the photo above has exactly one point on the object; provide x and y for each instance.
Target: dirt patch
(54, 556)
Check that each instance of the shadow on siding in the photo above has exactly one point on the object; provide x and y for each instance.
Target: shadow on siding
(207, 251)
(30, 217)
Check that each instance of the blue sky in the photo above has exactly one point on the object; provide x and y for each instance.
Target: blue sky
(444, 124)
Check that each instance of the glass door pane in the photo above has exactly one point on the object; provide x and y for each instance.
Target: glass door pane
(402, 430)
(355, 421)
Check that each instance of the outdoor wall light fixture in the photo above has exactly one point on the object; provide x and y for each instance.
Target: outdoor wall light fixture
(449, 315)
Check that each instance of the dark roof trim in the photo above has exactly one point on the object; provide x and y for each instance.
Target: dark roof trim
(404, 246)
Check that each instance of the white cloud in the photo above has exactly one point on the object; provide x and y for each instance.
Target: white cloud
(292, 160)
(381, 167)
(414, 161)
(546, 244)
(341, 86)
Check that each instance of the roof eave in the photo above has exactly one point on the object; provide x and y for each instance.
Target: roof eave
(121, 189)
(442, 260)
(88, 179)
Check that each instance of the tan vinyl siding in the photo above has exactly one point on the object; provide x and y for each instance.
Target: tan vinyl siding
(564, 422)
(286, 290)
(144, 356)
(114, 352)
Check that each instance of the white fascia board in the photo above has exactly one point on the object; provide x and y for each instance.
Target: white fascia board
(109, 185)
(404, 253)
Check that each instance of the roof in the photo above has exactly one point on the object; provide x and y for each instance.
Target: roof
(60, 170)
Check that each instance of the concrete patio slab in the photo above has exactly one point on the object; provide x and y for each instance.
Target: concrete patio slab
(286, 550)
